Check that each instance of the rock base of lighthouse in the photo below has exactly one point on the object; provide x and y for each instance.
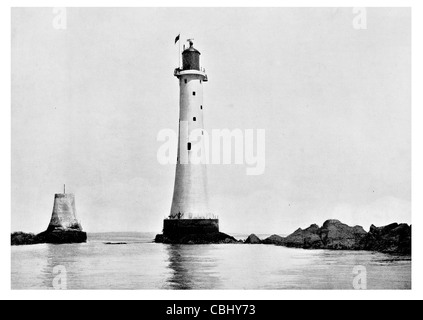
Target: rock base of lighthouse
(181, 227)
(62, 236)
(192, 231)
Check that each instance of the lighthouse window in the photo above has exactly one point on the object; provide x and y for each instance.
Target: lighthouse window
(194, 119)
(185, 80)
(193, 93)
(189, 146)
(200, 80)
(201, 107)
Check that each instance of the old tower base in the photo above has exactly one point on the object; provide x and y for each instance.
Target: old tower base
(64, 227)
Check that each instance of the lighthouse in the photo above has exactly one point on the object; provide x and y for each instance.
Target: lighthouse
(189, 213)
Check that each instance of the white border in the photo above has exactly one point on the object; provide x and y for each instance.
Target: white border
(5, 128)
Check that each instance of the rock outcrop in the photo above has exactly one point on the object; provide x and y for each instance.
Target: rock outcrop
(335, 235)
(56, 237)
(307, 239)
(21, 238)
(274, 239)
(339, 236)
(393, 238)
(253, 239)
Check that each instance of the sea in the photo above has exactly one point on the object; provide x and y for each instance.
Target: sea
(134, 261)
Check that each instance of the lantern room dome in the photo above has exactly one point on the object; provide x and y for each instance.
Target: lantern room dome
(191, 58)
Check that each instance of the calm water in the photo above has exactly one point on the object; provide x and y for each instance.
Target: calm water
(141, 264)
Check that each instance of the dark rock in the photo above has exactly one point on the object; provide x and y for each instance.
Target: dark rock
(21, 238)
(333, 235)
(178, 227)
(337, 235)
(274, 239)
(62, 236)
(307, 239)
(253, 239)
(159, 238)
(204, 238)
(393, 238)
(56, 236)
(114, 243)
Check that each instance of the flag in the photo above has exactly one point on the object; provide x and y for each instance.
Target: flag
(177, 38)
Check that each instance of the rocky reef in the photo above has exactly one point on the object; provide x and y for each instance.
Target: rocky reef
(394, 238)
(21, 238)
(273, 239)
(253, 239)
(54, 236)
(335, 235)
(332, 235)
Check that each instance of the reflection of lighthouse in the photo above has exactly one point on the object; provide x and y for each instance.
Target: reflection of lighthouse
(189, 212)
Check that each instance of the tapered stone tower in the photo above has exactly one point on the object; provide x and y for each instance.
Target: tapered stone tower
(63, 216)
(64, 227)
(189, 213)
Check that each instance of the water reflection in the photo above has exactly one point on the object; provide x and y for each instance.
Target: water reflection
(63, 256)
(192, 266)
(143, 265)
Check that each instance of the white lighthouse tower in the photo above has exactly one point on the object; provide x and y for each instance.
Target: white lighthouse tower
(189, 213)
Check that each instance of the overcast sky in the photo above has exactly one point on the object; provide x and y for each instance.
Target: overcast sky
(89, 101)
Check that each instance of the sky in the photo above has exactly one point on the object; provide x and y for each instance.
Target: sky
(89, 100)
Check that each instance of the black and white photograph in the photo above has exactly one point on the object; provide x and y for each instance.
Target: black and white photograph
(211, 148)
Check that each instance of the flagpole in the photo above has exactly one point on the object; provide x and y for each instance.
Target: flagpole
(179, 49)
